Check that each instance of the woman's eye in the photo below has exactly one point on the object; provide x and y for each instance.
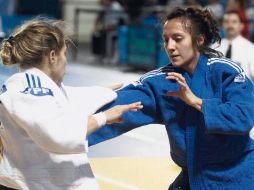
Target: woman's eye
(178, 39)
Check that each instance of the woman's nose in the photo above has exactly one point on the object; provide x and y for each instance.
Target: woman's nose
(171, 45)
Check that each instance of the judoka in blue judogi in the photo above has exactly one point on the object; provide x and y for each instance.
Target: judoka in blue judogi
(205, 101)
(214, 146)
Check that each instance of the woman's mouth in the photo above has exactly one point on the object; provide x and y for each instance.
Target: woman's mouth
(174, 57)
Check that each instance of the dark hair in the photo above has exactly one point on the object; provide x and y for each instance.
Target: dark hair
(201, 22)
(236, 12)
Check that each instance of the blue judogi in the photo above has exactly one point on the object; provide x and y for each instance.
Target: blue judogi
(213, 145)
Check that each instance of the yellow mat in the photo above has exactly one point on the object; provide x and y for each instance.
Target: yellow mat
(134, 173)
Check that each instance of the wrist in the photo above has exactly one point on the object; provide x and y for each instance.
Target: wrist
(196, 103)
(100, 118)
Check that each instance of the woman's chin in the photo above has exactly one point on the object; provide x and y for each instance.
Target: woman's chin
(176, 64)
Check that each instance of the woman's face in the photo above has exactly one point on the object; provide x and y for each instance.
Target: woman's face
(58, 70)
(178, 44)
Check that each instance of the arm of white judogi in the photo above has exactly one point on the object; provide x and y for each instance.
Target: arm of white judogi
(233, 113)
(60, 128)
(54, 128)
(90, 99)
(55, 122)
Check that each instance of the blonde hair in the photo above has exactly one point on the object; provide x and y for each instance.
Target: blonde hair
(32, 41)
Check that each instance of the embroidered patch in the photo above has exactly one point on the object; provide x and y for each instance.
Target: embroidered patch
(35, 87)
(38, 91)
(3, 89)
(241, 77)
(136, 83)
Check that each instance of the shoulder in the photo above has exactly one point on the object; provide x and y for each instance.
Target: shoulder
(16, 81)
(224, 64)
(28, 82)
(224, 41)
(151, 76)
(11, 89)
(156, 80)
(248, 43)
(222, 68)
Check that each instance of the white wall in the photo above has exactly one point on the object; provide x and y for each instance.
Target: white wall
(86, 20)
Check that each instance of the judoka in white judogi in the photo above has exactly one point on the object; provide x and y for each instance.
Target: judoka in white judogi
(44, 143)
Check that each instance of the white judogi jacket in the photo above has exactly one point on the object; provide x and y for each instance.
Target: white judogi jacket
(241, 52)
(43, 130)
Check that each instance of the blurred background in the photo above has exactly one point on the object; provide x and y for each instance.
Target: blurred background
(116, 41)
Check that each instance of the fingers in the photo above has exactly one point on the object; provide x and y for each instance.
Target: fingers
(178, 77)
(135, 106)
(116, 86)
(132, 107)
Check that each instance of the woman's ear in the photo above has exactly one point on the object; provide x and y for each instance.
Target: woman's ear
(200, 40)
(52, 57)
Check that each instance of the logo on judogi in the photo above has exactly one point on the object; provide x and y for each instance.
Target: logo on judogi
(38, 91)
(3, 89)
(35, 88)
(241, 77)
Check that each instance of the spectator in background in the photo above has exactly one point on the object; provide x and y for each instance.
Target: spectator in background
(2, 34)
(109, 18)
(234, 46)
(8, 7)
(134, 9)
(193, 3)
(216, 8)
(250, 17)
(105, 27)
(240, 6)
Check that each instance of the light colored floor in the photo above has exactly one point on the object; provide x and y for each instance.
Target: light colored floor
(141, 173)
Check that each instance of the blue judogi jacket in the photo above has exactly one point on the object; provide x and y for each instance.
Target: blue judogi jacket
(213, 145)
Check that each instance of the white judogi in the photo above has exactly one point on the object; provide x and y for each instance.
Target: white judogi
(242, 52)
(43, 129)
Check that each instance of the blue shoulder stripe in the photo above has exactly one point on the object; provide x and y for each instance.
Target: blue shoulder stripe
(33, 79)
(28, 80)
(39, 82)
(233, 64)
(151, 73)
(229, 61)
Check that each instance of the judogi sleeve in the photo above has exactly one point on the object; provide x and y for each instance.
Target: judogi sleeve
(55, 127)
(144, 92)
(233, 112)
